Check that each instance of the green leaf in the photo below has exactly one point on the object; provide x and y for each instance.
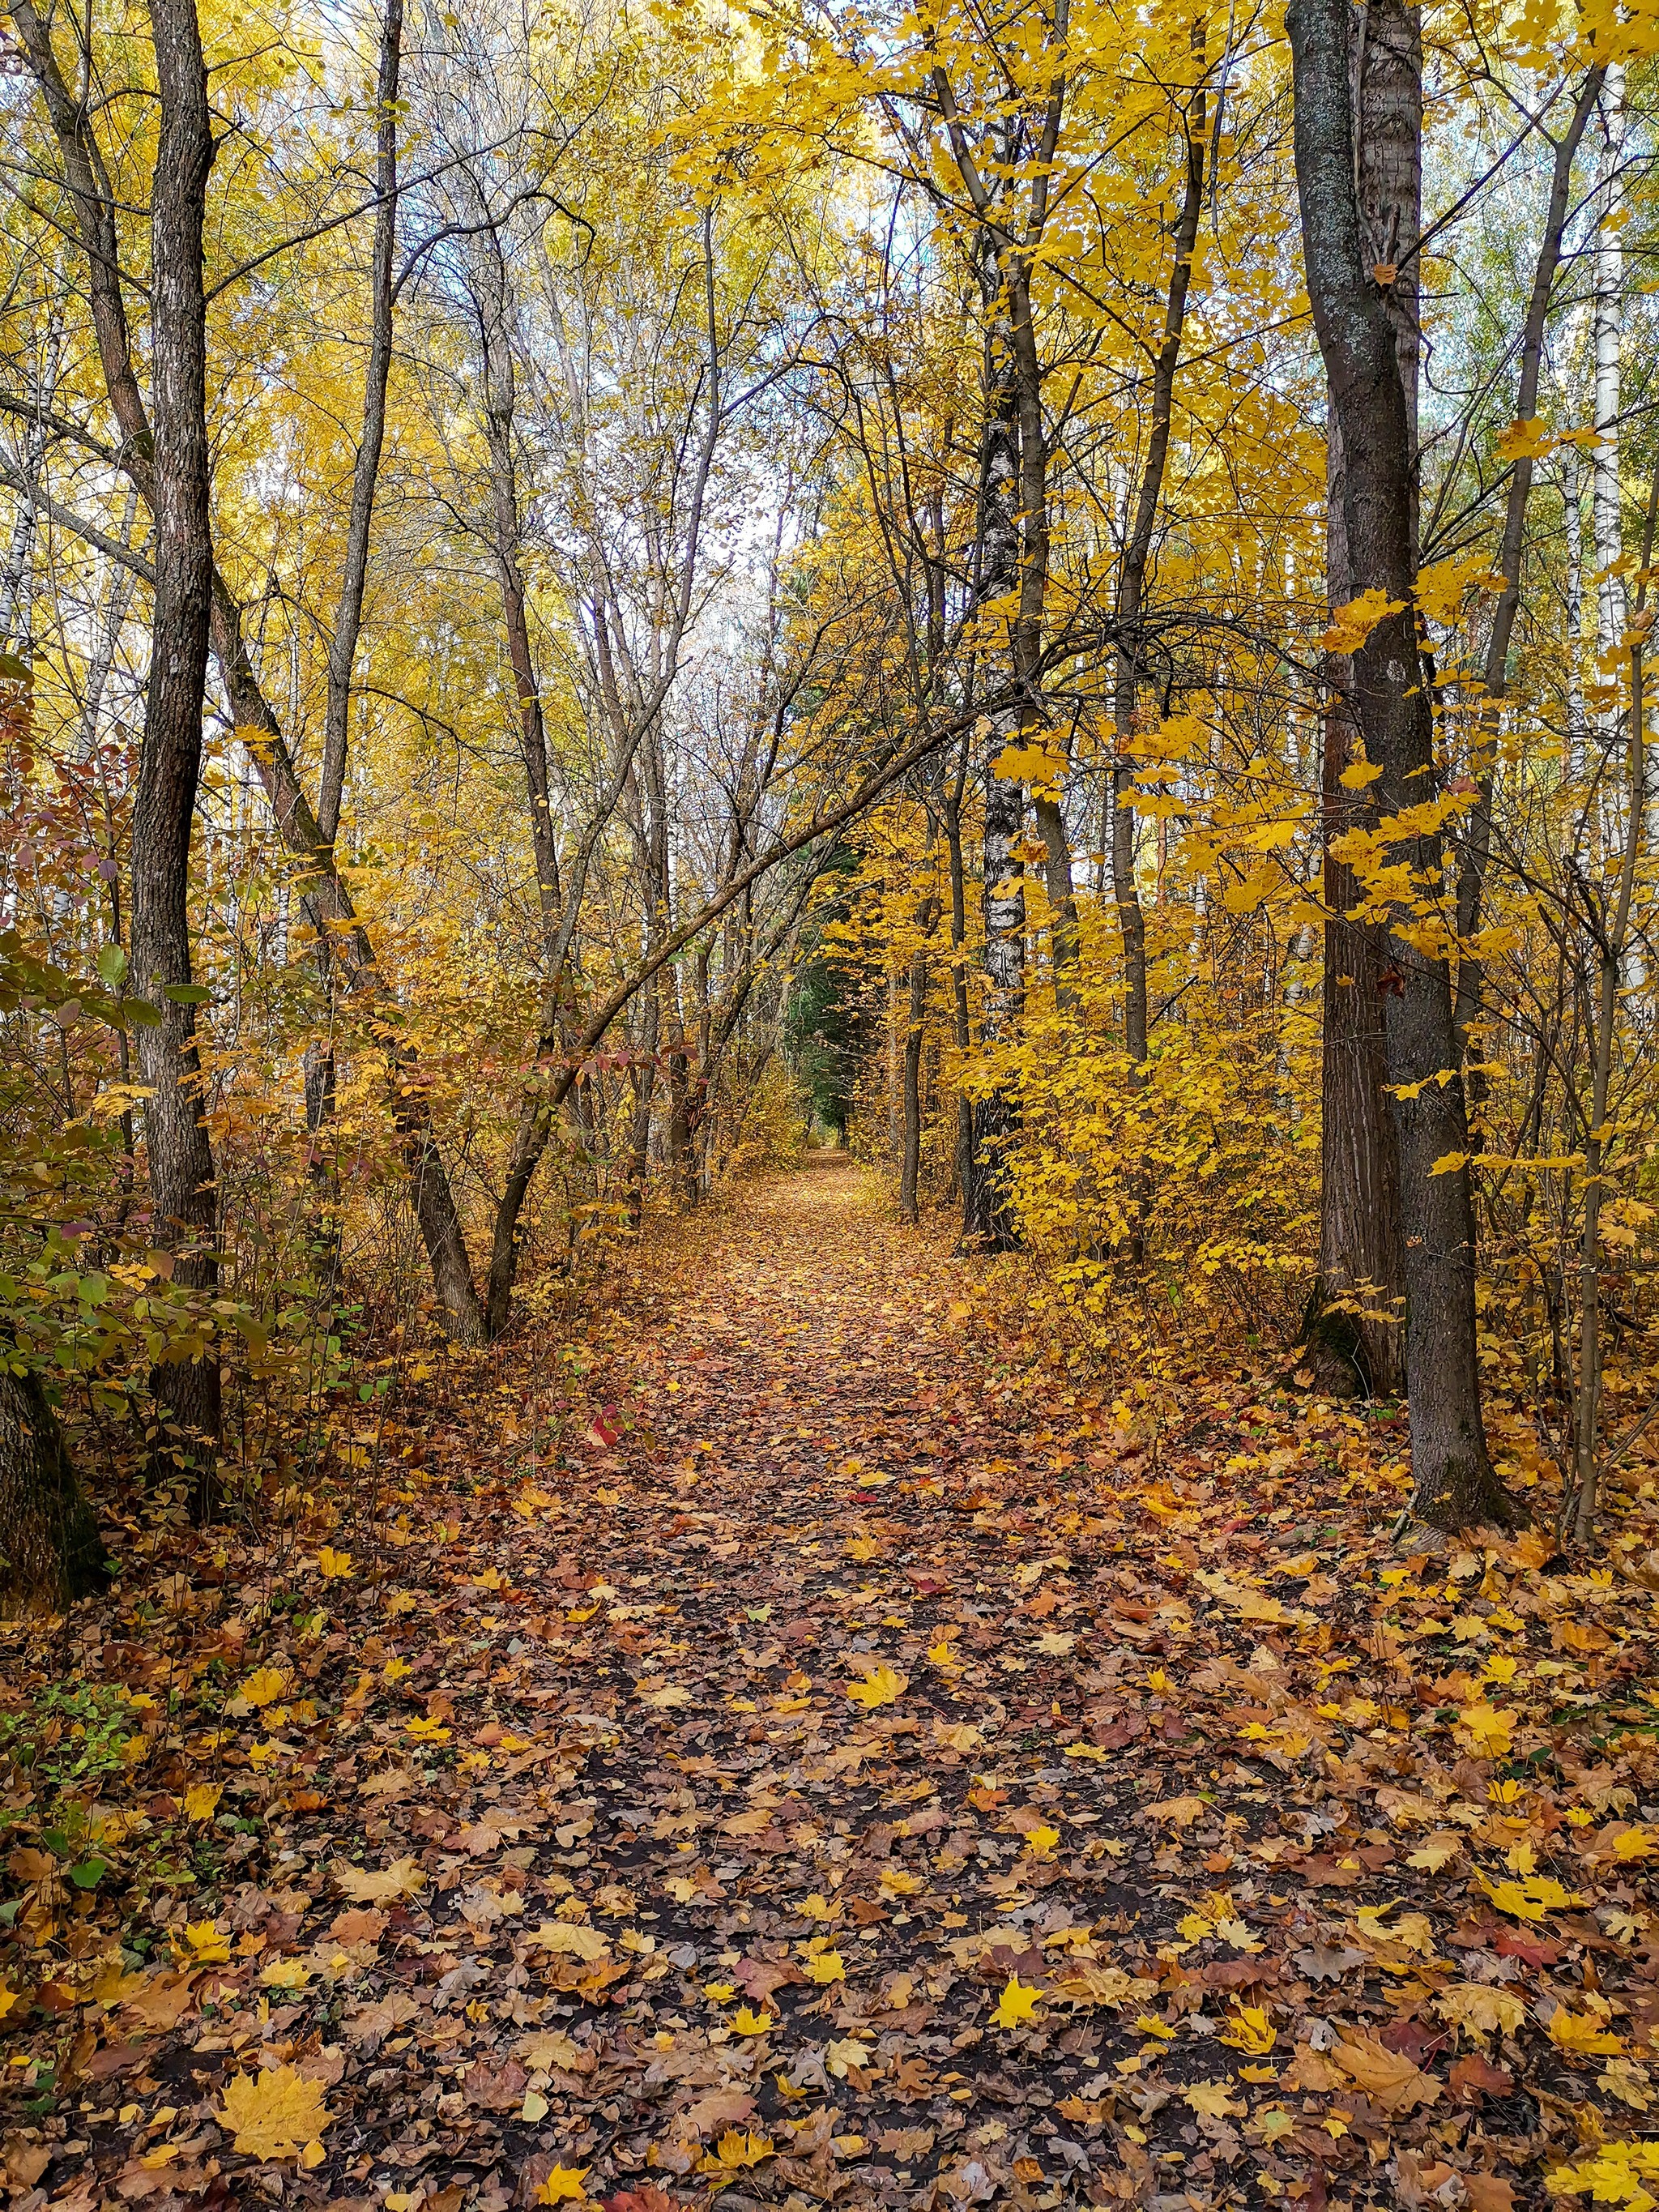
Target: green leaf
(88, 1873)
(112, 966)
(186, 994)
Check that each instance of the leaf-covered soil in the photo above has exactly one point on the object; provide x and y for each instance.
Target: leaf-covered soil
(791, 1744)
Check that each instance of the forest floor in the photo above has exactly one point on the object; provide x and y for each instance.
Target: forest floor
(844, 1762)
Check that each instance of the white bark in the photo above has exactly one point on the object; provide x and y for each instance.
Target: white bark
(1608, 344)
(1573, 501)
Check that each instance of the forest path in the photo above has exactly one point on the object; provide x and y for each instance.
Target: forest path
(812, 1755)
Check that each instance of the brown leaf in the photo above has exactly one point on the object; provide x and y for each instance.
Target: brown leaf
(495, 2087)
(163, 2005)
(1489, 2192)
(1388, 2077)
(26, 2161)
(723, 2108)
(358, 1924)
(758, 1978)
(1475, 2076)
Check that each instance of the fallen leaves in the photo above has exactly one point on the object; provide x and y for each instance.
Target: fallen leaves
(1530, 1898)
(637, 1891)
(563, 2185)
(1389, 2077)
(364, 1885)
(1017, 2005)
(881, 1685)
(276, 2116)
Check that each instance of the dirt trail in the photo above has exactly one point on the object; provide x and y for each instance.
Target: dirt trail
(845, 1771)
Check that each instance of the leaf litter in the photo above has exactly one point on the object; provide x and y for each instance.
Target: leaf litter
(803, 1747)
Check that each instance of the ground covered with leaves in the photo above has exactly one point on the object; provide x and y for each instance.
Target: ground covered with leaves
(793, 1747)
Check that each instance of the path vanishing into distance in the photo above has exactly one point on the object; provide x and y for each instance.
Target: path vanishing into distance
(842, 1764)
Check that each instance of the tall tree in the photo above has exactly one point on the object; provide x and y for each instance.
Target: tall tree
(181, 1172)
(365, 479)
(1453, 1481)
(1354, 1311)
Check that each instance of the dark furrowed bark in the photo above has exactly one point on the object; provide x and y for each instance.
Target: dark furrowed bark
(49, 1549)
(1452, 1484)
(1361, 1263)
(181, 1172)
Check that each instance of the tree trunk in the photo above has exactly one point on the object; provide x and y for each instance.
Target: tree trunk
(1132, 591)
(1361, 1263)
(1608, 326)
(988, 1220)
(1477, 842)
(961, 1014)
(181, 1172)
(1360, 1260)
(349, 614)
(50, 1549)
(1453, 1483)
(680, 1178)
(927, 918)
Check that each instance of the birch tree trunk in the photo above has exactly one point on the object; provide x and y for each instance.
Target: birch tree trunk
(1606, 339)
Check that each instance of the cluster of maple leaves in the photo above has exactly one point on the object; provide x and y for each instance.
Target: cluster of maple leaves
(845, 1766)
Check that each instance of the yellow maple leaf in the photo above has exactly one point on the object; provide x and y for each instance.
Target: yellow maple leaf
(1583, 2033)
(333, 1566)
(1017, 2004)
(263, 1686)
(827, 1967)
(208, 1946)
(1249, 2030)
(1027, 763)
(736, 2149)
(1040, 1842)
(1211, 2098)
(279, 2115)
(364, 1885)
(563, 2185)
(1488, 1728)
(201, 1799)
(817, 1907)
(1440, 1849)
(1529, 1899)
(1527, 441)
(881, 1686)
(285, 1974)
(745, 2022)
(1351, 625)
(1441, 587)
